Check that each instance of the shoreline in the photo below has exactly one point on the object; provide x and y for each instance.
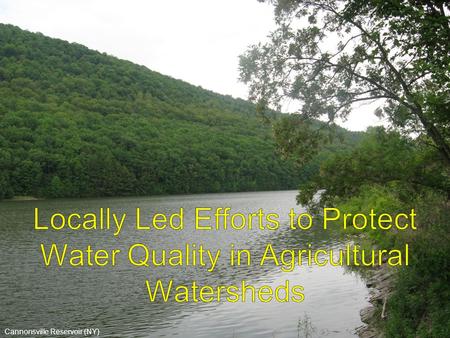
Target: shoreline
(380, 282)
(34, 198)
(23, 198)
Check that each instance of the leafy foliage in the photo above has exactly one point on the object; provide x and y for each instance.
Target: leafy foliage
(328, 55)
(420, 305)
(392, 174)
(381, 158)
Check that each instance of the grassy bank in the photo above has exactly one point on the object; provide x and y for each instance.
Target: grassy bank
(419, 304)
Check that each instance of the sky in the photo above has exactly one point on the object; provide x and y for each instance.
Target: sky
(198, 41)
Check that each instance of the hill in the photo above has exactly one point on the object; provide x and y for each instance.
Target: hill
(75, 122)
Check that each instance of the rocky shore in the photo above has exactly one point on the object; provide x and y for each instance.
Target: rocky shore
(380, 284)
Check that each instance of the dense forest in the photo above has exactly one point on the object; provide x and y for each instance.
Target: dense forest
(76, 122)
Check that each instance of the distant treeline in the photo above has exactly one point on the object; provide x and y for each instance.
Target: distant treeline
(75, 122)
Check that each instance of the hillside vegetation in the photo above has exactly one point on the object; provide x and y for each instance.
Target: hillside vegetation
(76, 122)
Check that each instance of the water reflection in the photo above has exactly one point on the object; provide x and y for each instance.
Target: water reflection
(115, 300)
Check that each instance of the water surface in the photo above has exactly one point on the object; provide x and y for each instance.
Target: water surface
(114, 299)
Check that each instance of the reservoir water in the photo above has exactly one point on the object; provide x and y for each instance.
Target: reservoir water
(115, 299)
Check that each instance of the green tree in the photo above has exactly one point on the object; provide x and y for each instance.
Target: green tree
(381, 159)
(56, 188)
(330, 54)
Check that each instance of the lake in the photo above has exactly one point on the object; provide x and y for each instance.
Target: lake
(115, 299)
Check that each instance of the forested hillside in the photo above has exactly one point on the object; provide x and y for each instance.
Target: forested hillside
(75, 122)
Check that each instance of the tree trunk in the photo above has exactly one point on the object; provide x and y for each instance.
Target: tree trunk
(435, 135)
